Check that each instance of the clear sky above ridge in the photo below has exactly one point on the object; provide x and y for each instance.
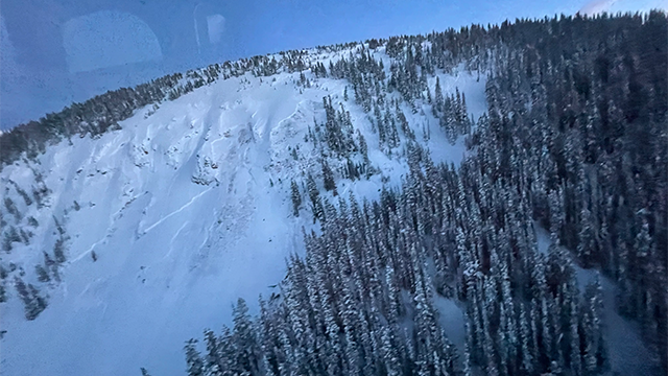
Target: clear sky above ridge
(54, 52)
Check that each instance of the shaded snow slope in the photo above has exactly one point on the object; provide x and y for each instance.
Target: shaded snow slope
(184, 210)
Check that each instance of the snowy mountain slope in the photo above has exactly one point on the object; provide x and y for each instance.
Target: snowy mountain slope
(158, 226)
(169, 220)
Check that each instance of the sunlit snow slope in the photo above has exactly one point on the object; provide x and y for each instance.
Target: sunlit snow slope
(184, 210)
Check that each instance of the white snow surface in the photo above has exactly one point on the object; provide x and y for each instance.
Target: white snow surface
(452, 319)
(186, 210)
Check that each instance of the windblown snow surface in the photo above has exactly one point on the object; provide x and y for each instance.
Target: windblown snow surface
(185, 209)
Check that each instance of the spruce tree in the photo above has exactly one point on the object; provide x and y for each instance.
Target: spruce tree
(328, 176)
(193, 359)
(296, 198)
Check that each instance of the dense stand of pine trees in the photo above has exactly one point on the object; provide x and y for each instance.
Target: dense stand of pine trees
(361, 300)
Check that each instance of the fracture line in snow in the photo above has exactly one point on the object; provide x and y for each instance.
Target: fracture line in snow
(84, 254)
(192, 200)
(171, 242)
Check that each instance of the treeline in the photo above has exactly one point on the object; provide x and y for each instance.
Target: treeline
(102, 113)
(93, 117)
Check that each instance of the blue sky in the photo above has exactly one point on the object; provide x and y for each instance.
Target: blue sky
(54, 52)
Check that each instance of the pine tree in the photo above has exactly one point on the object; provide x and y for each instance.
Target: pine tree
(296, 198)
(314, 196)
(391, 356)
(587, 248)
(438, 99)
(574, 334)
(193, 359)
(213, 361)
(328, 177)
(526, 350)
(33, 302)
(42, 274)
(595, 355)
(245, 340)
